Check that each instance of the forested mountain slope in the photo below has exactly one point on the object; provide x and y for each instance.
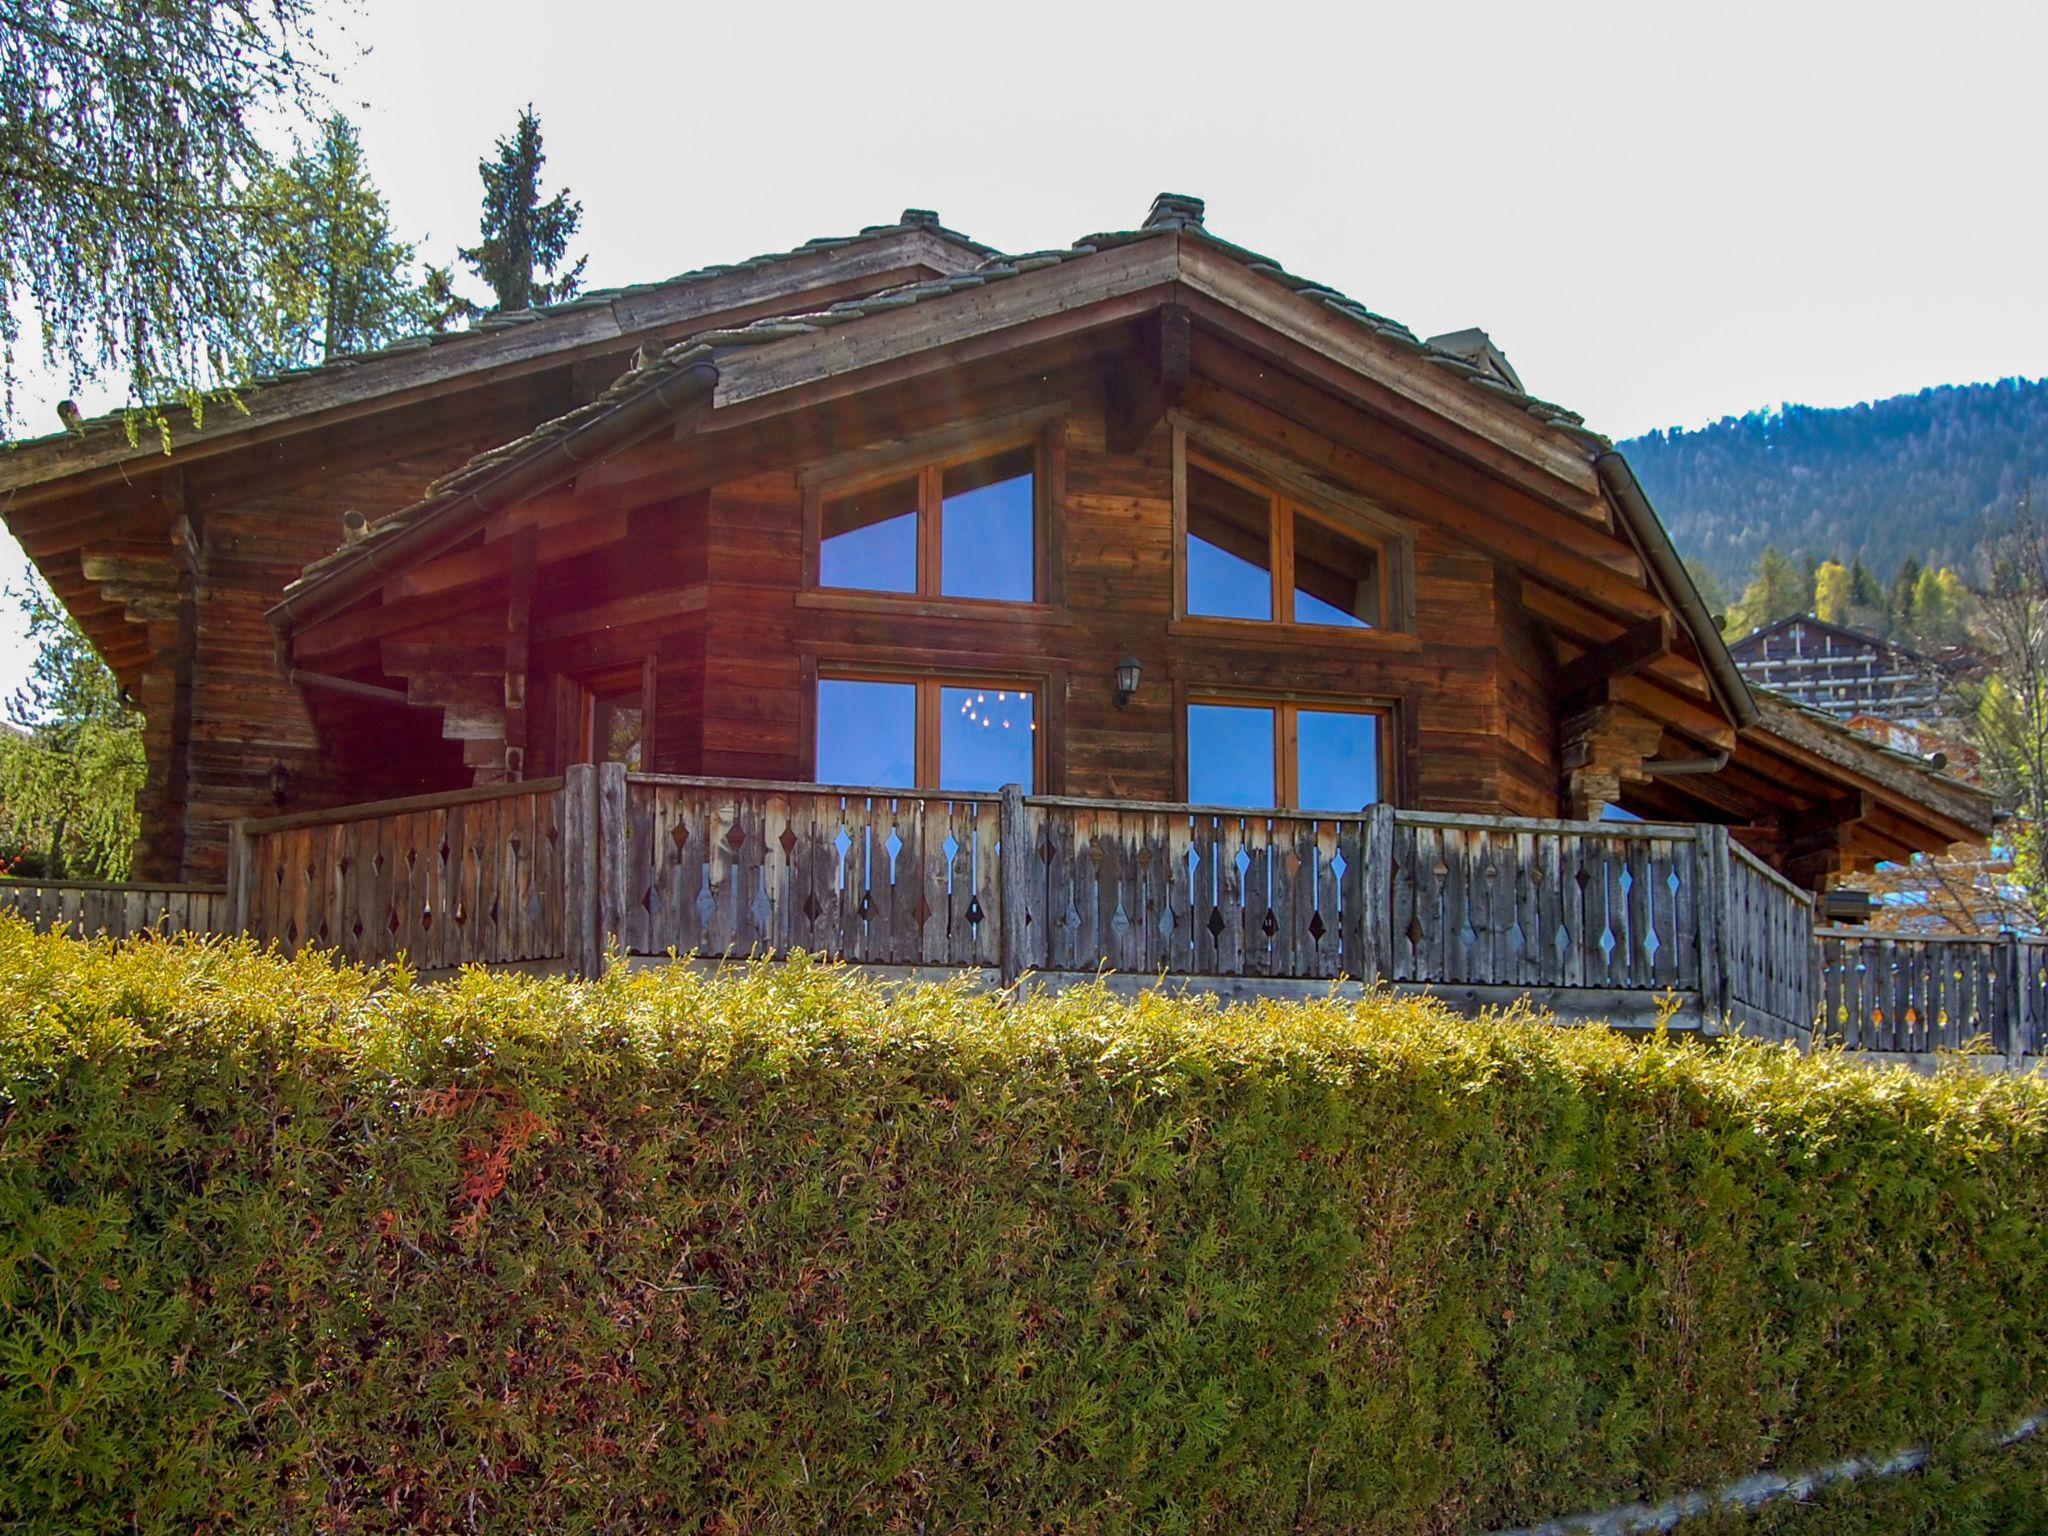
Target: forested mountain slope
(1917, 475)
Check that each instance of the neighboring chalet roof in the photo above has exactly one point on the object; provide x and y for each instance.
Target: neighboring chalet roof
(1889, 773)
(600, 317)
(1756, 638)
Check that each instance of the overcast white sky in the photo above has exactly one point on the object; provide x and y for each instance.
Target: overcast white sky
(1662, 213)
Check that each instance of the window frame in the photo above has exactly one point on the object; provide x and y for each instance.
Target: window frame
(1288, 498)
(926, 718)
(590, 688)
(927, 461)
(1287, 709)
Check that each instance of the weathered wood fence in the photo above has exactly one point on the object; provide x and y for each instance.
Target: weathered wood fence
(84, 908)
(1607, 920)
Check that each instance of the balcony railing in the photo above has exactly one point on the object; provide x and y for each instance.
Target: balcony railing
(1592, 919)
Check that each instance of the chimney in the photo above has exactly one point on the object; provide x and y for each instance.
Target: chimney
(1174, 210)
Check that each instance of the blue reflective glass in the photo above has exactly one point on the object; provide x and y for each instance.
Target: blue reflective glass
(869, 540)
(986, 737)
(988, 529)
(867, 733)
(1229, 551)
(1230, 755)
(1337, 760)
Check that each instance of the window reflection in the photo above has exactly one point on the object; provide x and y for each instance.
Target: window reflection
(988, 529)
(1338, 760)
(868, 540)
(1230, 755)
(1336, 579)
(867, 733)
(1230, 548)
(985, 738)
(617, 728)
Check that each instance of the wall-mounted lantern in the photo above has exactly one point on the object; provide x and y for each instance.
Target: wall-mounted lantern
(1127, 673)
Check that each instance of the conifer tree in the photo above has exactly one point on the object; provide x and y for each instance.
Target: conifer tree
(337, 278)
(1832, 588)
(525, 241)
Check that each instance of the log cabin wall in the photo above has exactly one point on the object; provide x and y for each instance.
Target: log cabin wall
(1472, 661)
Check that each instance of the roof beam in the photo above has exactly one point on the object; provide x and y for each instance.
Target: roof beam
(1141, 387)
(1635, 648)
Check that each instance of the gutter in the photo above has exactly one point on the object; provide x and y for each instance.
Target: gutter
(545, 464)
(1646, 530)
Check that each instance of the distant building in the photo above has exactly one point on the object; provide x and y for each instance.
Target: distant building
(1841, 671)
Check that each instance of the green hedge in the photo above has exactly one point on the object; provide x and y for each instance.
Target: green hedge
(285, 1247)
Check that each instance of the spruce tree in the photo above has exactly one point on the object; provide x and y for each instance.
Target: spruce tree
(525, 241)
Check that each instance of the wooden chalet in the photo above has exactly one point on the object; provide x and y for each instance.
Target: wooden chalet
(1146, 524)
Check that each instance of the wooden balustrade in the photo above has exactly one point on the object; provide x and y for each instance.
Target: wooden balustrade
(1489, 901)
(89, 908)
(1885, 992)
(1764, 936)
(475, 877)
(1597, 918)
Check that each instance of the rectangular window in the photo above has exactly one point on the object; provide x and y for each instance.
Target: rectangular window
(1254, 553)
(610, 723)
(1262, 755)
(966, 527)
(926, 733)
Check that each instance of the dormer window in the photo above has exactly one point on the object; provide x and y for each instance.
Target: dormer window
(968, 526)
(1255, 553)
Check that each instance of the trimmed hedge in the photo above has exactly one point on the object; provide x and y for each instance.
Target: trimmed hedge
(289, 1247)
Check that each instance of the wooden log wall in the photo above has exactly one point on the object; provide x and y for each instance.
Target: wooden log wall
(1484, 901)
(89, 909)
(471, 878)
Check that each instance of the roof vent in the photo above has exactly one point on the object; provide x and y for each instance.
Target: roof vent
(919, 218)
(1476, 347)
(1173, 210)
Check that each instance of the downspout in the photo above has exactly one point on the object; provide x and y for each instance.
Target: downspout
(542, 466)
(1654, 544)
(1684, 765)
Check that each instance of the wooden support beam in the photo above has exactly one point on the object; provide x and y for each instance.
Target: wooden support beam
(1141, 387)
(1605, 746)
(518, 637)
(1634, 649)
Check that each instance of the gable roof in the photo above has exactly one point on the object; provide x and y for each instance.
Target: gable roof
(604, 318)
(1756, 637)
(743, 363)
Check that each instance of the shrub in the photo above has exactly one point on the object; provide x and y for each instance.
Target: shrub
(285, 1246)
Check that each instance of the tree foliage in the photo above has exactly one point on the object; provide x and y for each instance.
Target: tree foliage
(525, 240)
(128, 151)
(69, 779)
(337, 278)
(1924, 474)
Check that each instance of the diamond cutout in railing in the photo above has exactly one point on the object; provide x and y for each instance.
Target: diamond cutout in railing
(357, 929)
(496, 911)
(867, 904)
(1046, 852)
(1215, 923)
(736, 837)
(1414, 933)
(1271, 925)
(1628, 879)
(1166, 922)
(787, 841)
(1583, 876)
(1338, 864)
(343, 863)
(445, 850)
(1316, 930)
(679, 834)
(842, 842)
(291, 932)
(952, 847)
(377, 859)
(1120, 924)
(1672, 881)
(391, 921)
(461, 915)
(1607, 944)
(974, 912)
(1651, 944)
(922, 911)
(412, 859)
(426, 919)
(323, 931)
(517, 843)
(894, 843)
(811, 909)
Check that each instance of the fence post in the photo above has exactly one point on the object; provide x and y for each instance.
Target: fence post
(2018, 1025)
(612, 830)
(1711, 911)
(581, 946)
(241, 877)
(1376, 892)
(1013, 868)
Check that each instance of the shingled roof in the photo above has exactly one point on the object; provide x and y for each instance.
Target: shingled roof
(115, 425)
(699, 355)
